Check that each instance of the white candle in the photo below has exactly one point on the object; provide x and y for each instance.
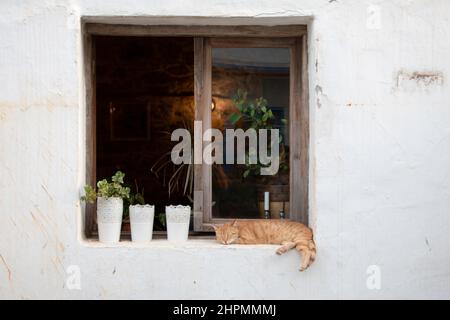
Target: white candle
(266, 200)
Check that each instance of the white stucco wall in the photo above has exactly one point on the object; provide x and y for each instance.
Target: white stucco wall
(380, 157)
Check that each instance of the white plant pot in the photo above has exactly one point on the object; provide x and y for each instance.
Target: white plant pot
(177, 220)
(141, 222)
(109, 219)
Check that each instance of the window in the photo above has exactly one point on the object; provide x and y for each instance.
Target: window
(141, 87)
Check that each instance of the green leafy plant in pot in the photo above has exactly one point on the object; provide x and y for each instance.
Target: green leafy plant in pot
(109, 196)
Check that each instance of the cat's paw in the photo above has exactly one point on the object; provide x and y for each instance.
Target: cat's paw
(280, 251)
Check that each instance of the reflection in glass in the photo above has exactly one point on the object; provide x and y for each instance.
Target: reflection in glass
(244, 79)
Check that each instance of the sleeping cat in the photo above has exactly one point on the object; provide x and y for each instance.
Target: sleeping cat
(288, 234)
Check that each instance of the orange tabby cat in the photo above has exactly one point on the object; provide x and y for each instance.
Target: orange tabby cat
(288, 234)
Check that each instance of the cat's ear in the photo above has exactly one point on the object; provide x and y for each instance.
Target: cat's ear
(215, 227)
(234, 223)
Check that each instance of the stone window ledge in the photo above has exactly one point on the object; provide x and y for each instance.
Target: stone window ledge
(165, 244)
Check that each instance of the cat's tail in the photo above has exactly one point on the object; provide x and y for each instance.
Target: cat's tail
(307, 250)
(312, 248)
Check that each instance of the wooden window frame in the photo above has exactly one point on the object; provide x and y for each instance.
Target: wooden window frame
(298, 121)
(205, 37)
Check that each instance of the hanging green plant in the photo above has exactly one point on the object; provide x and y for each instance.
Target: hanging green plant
(256, 114)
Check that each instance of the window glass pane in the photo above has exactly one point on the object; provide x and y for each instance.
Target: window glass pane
(240, 78)
(144, 91)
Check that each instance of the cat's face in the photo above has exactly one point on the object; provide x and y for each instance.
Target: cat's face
(227, 233)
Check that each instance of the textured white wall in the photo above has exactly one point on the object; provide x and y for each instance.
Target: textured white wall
(380, 157)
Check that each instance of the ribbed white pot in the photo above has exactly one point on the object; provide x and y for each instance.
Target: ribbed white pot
(109, 219)
(177, 220)
(141, 222)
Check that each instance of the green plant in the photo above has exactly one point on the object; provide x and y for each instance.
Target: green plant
(256, 115)
(107, 189)
(137, 198)
(134, 198)
(89, 194)
(255, 112)
(161, 218)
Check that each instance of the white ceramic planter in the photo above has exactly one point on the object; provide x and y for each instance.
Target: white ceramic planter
(177, 220)
(109, 219)
(141, 222)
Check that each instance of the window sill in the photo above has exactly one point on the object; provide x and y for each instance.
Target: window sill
(165, 244)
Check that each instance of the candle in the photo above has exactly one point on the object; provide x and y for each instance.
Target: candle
(266, 200)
